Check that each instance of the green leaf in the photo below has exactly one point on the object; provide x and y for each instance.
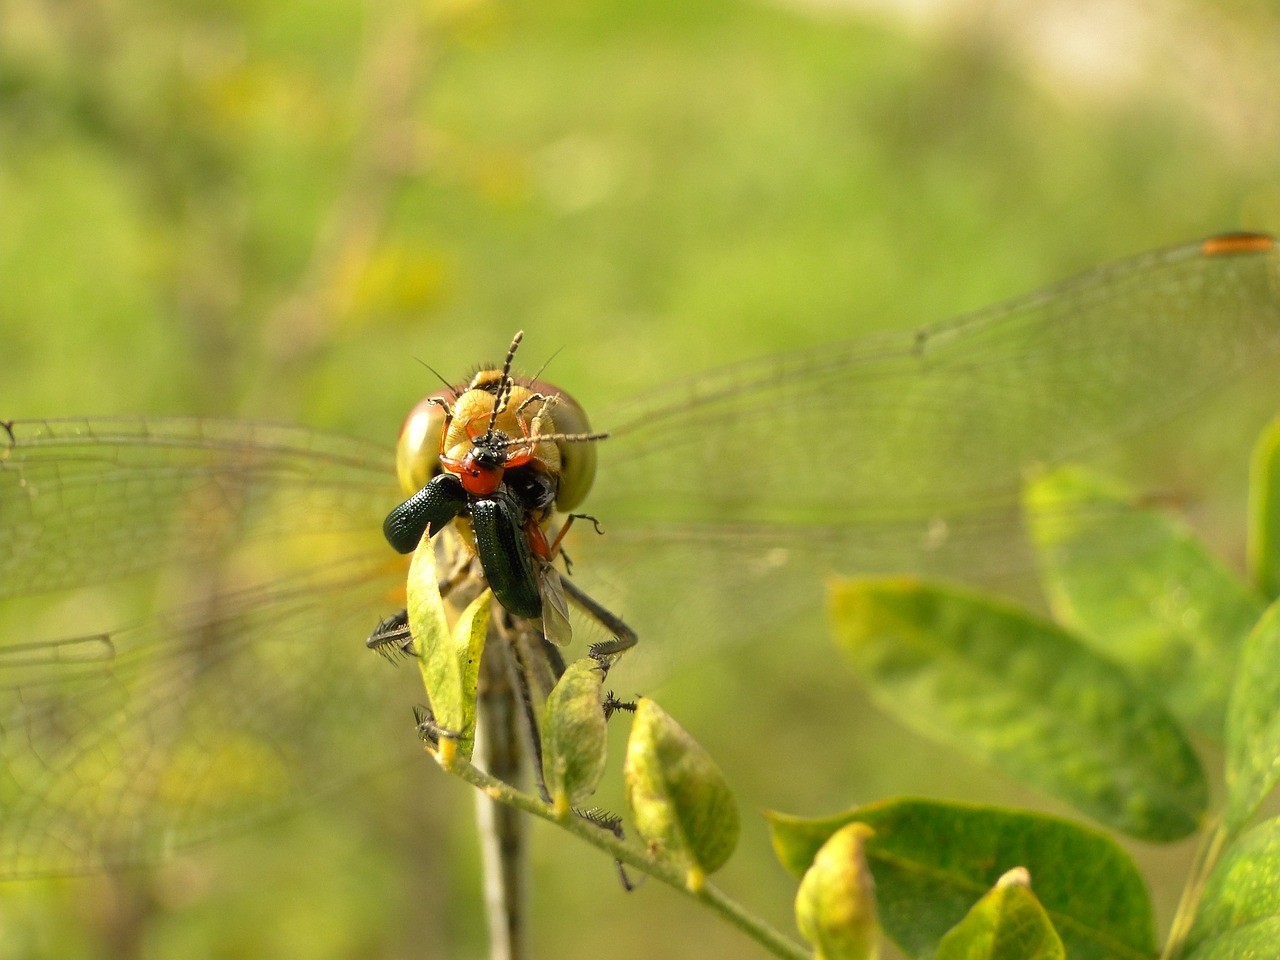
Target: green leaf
(932, 860)
(836, 904)
(449, 660)
(1007, 924)
(1264, 512)
(1243, 891)
(1258, 941)
(678, 797)
(1142, 590)
(1024, 695)
(1253, 723)
(574, 735)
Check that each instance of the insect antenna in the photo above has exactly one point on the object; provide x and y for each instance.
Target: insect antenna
(504, 385)
(453, 391)
(565, 437)
(546, 363)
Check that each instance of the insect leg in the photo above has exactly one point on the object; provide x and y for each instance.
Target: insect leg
(391, 637)
(532, 677)
(624, 638)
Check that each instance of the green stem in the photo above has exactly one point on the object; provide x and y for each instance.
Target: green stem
(1206, 858)
(670, 874)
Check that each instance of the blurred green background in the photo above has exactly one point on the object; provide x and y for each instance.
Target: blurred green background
(230, 207)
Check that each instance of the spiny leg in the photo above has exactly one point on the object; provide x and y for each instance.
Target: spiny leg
(624, 638)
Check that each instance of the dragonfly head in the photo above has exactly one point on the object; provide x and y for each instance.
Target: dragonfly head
(496, 422)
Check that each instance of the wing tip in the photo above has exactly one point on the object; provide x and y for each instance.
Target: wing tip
(1241, 241)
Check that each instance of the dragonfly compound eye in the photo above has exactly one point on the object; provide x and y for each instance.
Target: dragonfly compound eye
(577, 466)
(418, 449)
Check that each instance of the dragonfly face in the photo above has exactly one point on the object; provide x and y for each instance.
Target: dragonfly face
(244, 564)
(501, 466)
(443, 427)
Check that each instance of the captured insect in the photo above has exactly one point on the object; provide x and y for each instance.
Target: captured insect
(501, 458)
(184, 600)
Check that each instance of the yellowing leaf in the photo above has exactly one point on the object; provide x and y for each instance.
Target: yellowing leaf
(678, 797)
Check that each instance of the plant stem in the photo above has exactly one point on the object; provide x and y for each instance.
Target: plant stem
(502, 829)
(674, 876)
(1205, 859)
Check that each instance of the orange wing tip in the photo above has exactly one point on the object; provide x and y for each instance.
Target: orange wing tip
(1229, 244)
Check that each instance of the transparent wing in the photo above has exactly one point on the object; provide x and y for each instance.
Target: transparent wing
(725, 499)
(193, 723)
(249, 561)
(907, 453)
(951, 416)
(90, 500)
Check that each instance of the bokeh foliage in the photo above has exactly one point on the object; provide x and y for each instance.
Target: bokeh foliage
(272, 209)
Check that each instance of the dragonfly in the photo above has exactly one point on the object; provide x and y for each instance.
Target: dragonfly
(185, 601)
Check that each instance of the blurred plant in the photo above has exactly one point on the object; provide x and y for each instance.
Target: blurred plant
(1095, 710)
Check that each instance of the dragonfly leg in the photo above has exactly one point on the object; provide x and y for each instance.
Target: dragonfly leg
(391, 637)
(428, 730)
(613, 824)
(613, 705)
(555, 659)
(624, 638)
(532, 675)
